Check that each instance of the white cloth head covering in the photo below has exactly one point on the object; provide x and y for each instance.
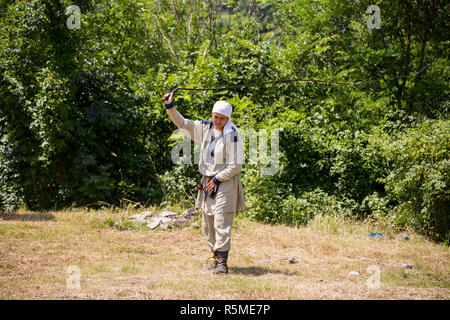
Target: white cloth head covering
(229, 127)
(223, 107)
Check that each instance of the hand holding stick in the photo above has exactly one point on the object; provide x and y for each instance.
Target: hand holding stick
(168, 97)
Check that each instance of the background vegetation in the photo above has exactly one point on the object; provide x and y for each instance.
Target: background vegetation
(81, 118)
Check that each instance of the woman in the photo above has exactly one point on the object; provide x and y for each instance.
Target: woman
(221, 158)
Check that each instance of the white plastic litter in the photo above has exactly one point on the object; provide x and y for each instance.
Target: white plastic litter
(165, 220)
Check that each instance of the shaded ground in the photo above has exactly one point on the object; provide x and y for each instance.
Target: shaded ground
(37, 251)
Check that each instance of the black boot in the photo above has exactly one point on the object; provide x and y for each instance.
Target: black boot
(221, 266)
(212, 265)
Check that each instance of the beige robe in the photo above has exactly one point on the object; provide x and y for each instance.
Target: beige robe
(228, 161)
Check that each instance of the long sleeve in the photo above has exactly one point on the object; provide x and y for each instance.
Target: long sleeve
(229, 172)
(193, 128)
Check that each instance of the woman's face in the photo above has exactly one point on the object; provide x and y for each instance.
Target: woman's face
(219, 120)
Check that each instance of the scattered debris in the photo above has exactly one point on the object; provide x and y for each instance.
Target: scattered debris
(353, 273)
(408, 266)
(291, 259)
(374, 235)
(140, 217)
(189, 213)
(167, 214)
(165, 220)
(160, 221)
(403, 237)
(153, 224)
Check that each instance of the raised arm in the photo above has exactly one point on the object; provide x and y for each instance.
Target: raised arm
(193, 129)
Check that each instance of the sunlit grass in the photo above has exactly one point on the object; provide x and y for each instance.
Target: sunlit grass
(138, 263)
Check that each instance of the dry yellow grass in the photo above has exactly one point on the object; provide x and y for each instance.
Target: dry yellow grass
(36, 250)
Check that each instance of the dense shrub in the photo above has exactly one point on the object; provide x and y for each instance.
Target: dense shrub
(81, 117)
(418, 177)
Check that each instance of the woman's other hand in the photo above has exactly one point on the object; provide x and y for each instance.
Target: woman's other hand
(211, 186)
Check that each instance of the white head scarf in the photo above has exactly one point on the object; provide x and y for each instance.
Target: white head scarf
(223, 107)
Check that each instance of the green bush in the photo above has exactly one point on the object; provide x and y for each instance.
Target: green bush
(417, 180)
(81, 117)
(310, 204)
(180, 185)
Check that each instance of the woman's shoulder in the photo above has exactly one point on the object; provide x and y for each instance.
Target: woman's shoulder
(207, 123)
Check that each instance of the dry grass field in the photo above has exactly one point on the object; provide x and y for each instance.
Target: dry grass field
(37, 251)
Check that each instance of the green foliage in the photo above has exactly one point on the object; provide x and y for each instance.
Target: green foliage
(418, 178)
(73, 132)
(81, 118)
(181, 185)
(120, 224)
